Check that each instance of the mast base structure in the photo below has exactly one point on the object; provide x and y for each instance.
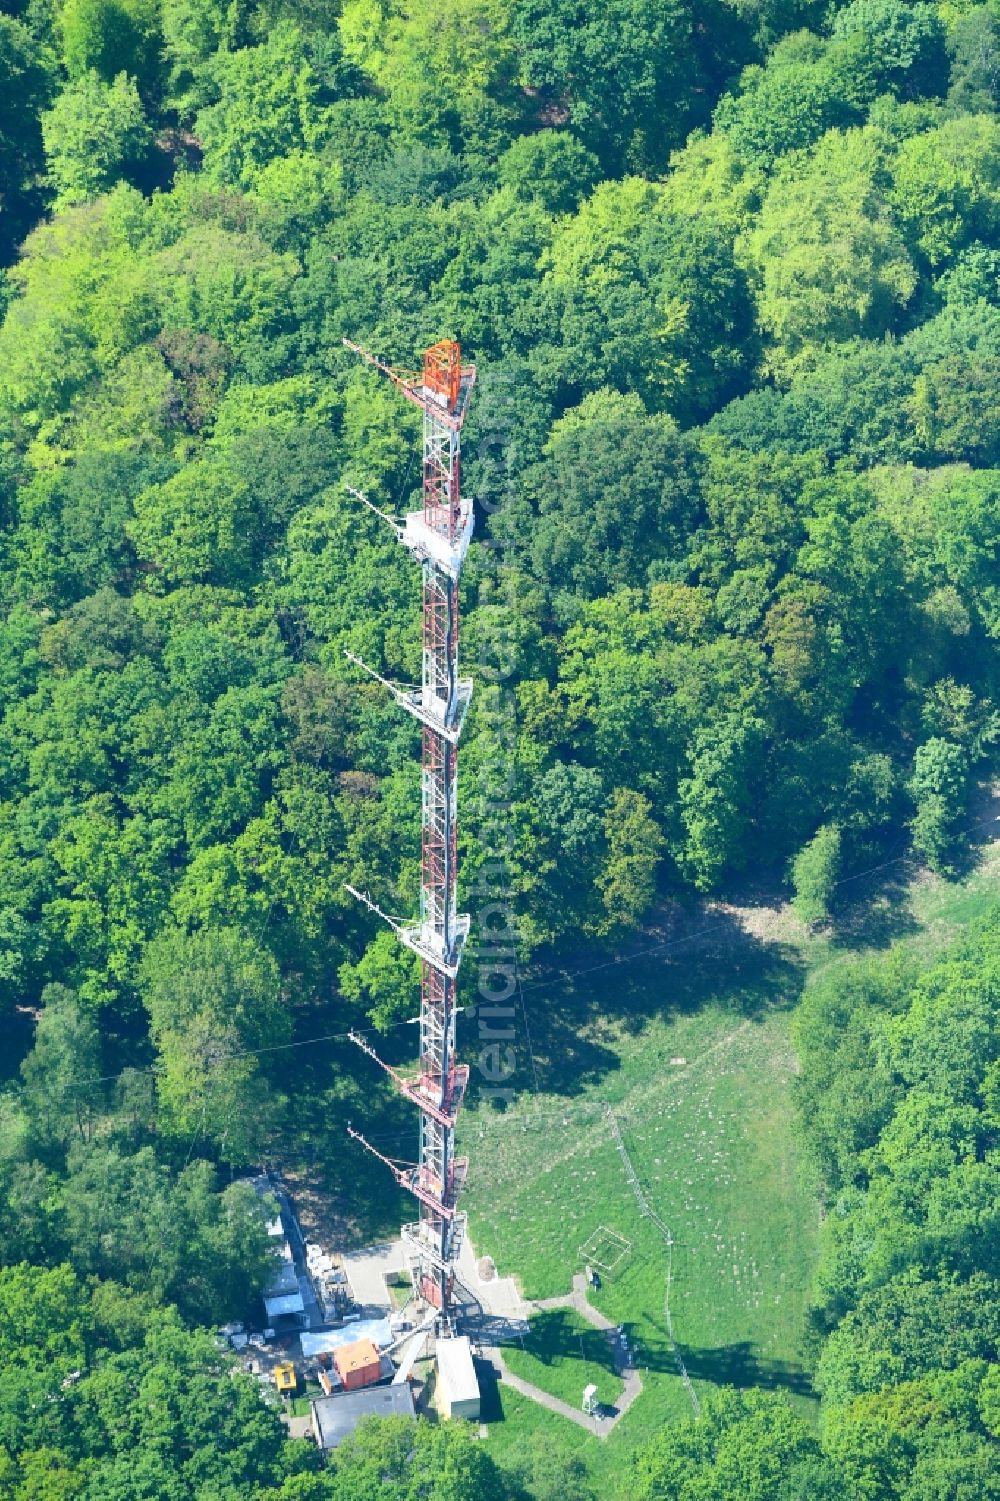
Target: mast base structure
(438, 537)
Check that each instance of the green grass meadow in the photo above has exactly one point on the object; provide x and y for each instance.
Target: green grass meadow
(690, 1045)
(562, 1354)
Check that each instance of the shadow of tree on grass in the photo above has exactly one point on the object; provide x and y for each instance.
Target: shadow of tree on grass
(675, 971)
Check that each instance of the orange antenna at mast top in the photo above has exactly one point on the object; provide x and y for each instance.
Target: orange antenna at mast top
(443, 371)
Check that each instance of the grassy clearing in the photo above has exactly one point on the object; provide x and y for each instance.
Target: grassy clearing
(562, 1354)
(690, 1046)
(713, 1142)
(507, 1414)
(400, 1290)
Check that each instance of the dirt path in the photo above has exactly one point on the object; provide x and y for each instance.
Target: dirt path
(624, 1369)
(599, 1423)
(594, 1424)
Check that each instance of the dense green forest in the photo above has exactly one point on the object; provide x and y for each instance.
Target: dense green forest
(730, 273)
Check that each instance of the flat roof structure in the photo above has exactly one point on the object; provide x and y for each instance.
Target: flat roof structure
(285, 1278)
(457, 1390)
(325, 1341)
(357, 1364)
(335, 1418)
(283, 1304)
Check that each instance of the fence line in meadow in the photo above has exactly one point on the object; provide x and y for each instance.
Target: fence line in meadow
(648, 1212)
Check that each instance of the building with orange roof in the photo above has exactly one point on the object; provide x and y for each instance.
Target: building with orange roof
(358, 1364)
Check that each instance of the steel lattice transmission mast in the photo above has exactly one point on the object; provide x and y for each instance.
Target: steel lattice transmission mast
(438, 536)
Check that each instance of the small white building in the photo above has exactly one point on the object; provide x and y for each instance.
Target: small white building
(457, 1389)
(283, 1306)
(282, 1295)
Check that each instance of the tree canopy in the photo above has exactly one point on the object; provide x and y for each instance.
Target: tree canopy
(730, 274)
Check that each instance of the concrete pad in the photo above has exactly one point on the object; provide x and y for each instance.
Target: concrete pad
(500, 1296)
(298, 1427)
(368, 1268)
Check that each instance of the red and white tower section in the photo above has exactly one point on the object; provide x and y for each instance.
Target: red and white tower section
(438, 536)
